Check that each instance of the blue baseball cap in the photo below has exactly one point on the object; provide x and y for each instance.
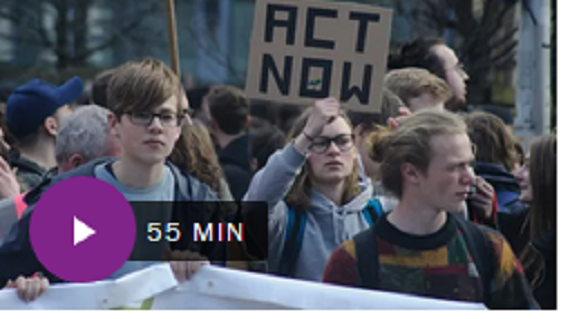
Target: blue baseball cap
(30, 104)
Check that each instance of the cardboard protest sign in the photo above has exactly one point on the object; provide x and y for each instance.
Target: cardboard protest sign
(306, 50)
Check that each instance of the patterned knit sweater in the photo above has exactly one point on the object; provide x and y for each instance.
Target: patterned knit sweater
(437, 266)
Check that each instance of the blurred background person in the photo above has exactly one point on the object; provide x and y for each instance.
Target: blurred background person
(229, 111)
(264, 142)
(194, 154)
(418, 88)
(366, 123)
(537, 178)
(496, 157)
(83, 136)
(434, 55)
(198, 104)
(34, 114)
(99, 88)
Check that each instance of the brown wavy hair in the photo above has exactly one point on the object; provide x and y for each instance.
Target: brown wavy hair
(495, 143)
(194, 154)
(542, 173)
(299, 196)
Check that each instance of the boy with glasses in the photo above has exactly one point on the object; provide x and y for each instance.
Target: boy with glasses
(147, 109)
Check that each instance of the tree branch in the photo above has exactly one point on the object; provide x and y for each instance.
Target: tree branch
(136, 22)
(504, 52)
(215, 54)
(40, 32)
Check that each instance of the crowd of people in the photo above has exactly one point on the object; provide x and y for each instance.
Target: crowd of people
(421, 197)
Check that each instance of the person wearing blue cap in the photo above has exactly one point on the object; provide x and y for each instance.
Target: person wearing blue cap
(34, 112)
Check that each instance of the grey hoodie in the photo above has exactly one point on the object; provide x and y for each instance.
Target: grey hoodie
(328, 225)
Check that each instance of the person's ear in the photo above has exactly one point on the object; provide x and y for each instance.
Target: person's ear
(51, 125)
(410, 173)
(112, 122)
(76, 160)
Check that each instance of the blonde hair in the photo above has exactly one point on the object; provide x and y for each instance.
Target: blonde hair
(411, 83)
(411, 143)
(299, 196)
(141, 86)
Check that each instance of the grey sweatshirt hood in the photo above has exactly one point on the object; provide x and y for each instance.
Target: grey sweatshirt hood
(320, 204)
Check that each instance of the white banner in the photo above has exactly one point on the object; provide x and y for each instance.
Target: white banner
(219, 288)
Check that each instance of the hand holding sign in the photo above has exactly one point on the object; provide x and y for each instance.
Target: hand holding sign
(185, 264)
(29, 289)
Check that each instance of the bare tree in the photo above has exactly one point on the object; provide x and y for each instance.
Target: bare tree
(208, 43)
(60, 28)
(484, 35)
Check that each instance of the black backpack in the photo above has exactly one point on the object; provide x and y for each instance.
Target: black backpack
(478, 245)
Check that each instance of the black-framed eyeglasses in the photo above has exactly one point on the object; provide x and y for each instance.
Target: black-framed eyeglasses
(167, 119)
(321, 144)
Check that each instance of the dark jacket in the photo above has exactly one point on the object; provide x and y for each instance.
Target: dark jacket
(18, 258)
(538, 256)
(505, 185)
(511, 214)
(29, 173)
(545, 291)
(12, 209)
(234, 159)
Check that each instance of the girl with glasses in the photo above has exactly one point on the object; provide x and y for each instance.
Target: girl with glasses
(313, 192)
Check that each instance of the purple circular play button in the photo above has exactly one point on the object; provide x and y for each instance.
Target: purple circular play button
(82, 229)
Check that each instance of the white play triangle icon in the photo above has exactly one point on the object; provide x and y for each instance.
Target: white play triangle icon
(81, 231)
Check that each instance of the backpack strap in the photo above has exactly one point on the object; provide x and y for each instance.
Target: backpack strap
(367, 258)
(296, 229)
(372, 211)
(296, 222)
(481, 250)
